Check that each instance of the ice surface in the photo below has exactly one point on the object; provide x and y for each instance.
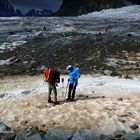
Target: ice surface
(102, 115)
(96, 85)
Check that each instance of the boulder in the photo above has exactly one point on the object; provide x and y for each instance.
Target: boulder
(109, 137)
(119, 133)
(4, 127)
(21, 136)
(131, 136)
(34, 137)
(134, 127)
(8, 136)
(6, 132)
(32, 134)
(84, 134)
(57, 134)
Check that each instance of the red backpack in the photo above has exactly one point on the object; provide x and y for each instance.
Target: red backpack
(52, 76)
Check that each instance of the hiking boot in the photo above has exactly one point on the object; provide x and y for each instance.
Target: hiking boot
(50, 101)
(72, 100)
(56, 103)
(68, 99)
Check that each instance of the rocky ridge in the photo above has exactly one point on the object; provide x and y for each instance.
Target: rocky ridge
(7, 10)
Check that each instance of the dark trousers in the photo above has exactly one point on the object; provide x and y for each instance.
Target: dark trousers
(71, 92)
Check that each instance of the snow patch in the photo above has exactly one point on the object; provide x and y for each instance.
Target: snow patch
(17, 37)
(127, 12)
(108, 86)
(62, 29)
(88, 85)
(14, 93)
(6, 62)
(10, 18)
(10, 46)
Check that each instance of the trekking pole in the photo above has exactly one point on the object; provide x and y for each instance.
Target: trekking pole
(66, 89)
(62, 81)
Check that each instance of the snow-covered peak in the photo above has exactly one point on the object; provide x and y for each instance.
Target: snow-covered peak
(124, 12)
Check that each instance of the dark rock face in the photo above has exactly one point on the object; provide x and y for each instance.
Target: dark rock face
(19, 13)
(79, 7)
(6, 9)
(37, 13)
(135, 1)
(32, 12)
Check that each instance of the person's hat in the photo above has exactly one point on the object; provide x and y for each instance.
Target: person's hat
(69, 66)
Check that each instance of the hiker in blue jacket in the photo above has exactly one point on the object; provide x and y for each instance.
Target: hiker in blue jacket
(74, 75)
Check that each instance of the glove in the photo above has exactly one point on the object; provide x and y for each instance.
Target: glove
(68, 80)
(45, 80)
(74, 79)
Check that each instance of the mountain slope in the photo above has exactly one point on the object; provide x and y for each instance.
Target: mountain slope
(6, 9)
(79, 7)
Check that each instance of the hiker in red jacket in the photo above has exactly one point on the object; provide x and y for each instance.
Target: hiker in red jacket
(52, 77)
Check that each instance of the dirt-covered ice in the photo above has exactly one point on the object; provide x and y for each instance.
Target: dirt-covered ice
(104, 104)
